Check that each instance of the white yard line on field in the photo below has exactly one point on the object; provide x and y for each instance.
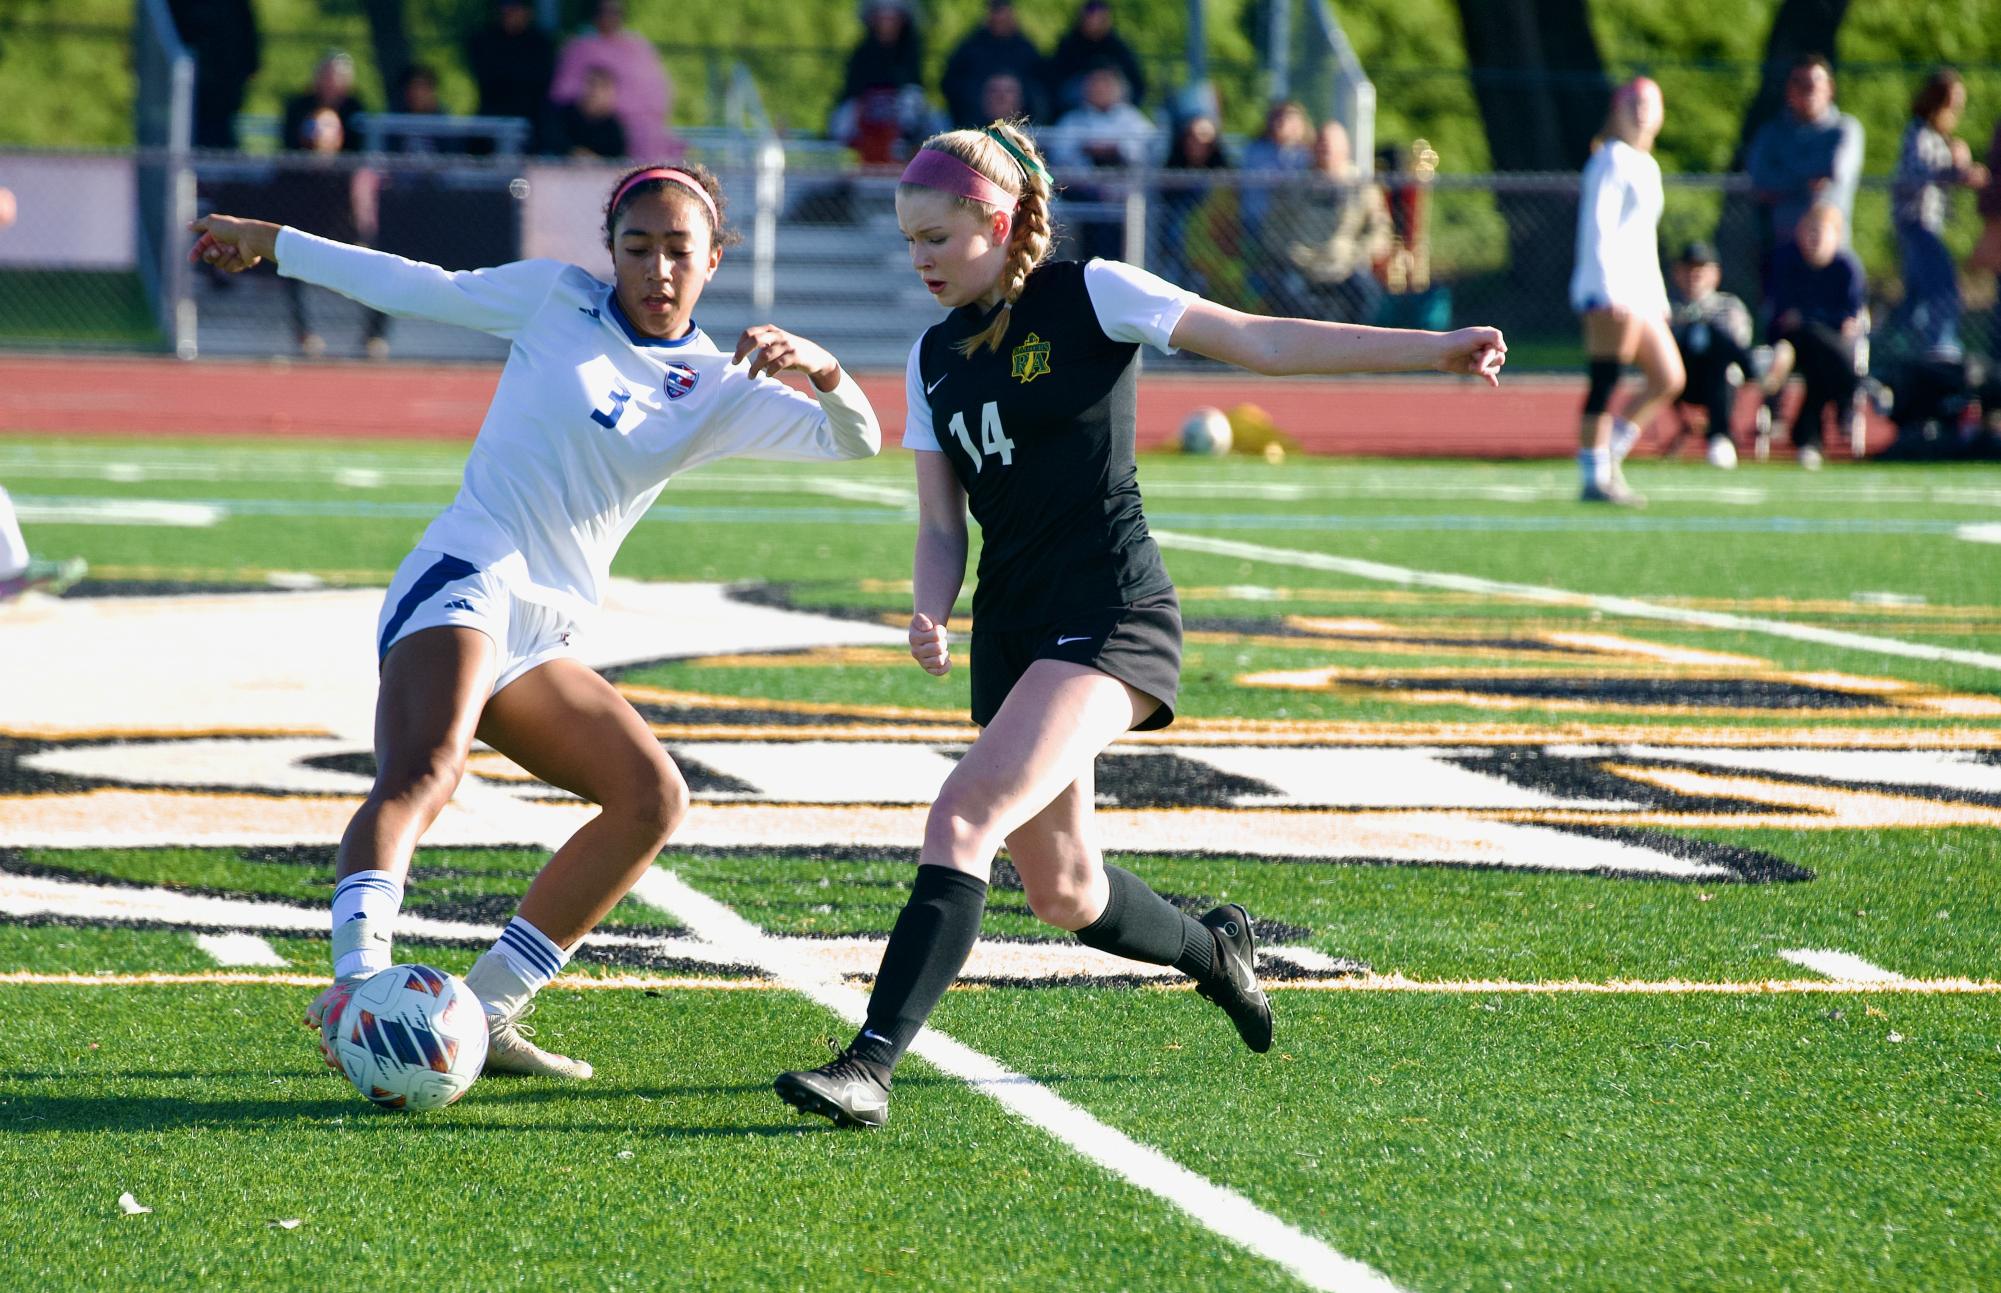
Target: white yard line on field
(1842, 967)
(1223, 1211)
(1632, 608)
(119, 511)
(239, 949)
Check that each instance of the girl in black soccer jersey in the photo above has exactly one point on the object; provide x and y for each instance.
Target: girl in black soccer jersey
(1022, 406)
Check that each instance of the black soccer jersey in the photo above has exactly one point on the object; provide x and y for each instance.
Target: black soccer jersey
(1040, 433)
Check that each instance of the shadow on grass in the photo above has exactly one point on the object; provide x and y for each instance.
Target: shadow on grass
(65, 1115)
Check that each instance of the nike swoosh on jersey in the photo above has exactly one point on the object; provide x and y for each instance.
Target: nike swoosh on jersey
(1082, 637)
(935, 385)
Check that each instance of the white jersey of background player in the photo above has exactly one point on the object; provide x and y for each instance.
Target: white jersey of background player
(607, 392)
(18, 573)
(1617, 287)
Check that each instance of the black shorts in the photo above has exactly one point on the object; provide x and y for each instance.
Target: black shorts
(1140, 645)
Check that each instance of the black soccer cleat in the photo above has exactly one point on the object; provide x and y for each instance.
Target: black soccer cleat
(847, 1092)
(1235, 985)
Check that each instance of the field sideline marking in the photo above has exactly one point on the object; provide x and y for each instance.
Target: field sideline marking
(239, 949)
(1223, 1211)
(1845, 967)
(1361, 984)
(1630, 607)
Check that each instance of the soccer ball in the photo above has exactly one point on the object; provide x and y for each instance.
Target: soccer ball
(1206, 431)
(411, 1037)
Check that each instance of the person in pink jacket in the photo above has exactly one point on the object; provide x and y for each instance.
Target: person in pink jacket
(645, 91)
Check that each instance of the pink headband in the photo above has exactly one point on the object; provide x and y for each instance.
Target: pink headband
(932, 169)
(673, 176)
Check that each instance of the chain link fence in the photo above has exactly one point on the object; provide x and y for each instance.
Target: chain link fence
(823, 255)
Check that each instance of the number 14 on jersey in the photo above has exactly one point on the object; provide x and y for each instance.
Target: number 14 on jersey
(993, 440)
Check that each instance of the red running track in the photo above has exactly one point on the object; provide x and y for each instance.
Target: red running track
(1528, 417)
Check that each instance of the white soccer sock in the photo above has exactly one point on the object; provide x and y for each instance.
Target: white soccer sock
(1595, 466)
(1624, 436)
(364, 920)
(13, 548)
(530, 954)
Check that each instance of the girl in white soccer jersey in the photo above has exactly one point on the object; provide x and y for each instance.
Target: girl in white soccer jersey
(607, 392)
(1617, 287)
(1022, 405)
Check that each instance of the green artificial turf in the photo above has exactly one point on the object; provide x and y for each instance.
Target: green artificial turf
(1475, 1140)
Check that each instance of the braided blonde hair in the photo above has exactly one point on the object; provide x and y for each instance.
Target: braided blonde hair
(1031, 237)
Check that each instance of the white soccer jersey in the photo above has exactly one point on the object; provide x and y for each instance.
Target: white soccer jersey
(590, 418)
(1618, 224)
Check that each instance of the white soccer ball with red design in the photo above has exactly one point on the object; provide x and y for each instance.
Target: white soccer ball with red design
(411, 1037)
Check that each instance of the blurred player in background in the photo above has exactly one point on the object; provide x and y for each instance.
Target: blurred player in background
(607, 392)
(1022, 405)
(18, 572)
(1617, 287)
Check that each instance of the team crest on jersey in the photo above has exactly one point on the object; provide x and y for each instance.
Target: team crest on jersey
(680, 379)
(1031, 359)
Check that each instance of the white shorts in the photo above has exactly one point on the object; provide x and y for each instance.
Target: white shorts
(434, 588)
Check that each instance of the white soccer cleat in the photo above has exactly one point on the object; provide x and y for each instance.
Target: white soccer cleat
(1722, 453)
(509, 1050)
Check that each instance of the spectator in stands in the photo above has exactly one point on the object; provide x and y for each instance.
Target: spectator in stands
(883, 114)
(1811, 153)
(1105, 129)
(1815, 296)
(1987, 253)
(1932, 161)
(1197, 148)
(1712, 329)
(1003, 98)
(1281, 150)
(324, 195)
(1103, 132)
(997, 47)
(1336, 230)
(590, 126)
(222, 35)
(418, 93)
(513, 62)
(333, 89)
(1089, 45)
(645, 92)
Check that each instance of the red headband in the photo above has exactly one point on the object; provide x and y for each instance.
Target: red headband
(674, 177)
(932, 169)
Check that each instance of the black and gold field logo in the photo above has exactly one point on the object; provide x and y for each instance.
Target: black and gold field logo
(1031, 359)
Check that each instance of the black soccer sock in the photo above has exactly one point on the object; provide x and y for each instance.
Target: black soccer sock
(1140, 925)
(926, 951)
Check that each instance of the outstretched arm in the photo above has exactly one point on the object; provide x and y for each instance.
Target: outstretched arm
(1298, 347)
(770, 420)
(498, 300)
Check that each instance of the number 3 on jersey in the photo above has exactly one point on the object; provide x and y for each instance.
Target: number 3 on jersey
(993, 440)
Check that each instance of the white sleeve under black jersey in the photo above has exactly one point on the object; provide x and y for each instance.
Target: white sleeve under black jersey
(918, 432)
(1133, 305)
(498, 300)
